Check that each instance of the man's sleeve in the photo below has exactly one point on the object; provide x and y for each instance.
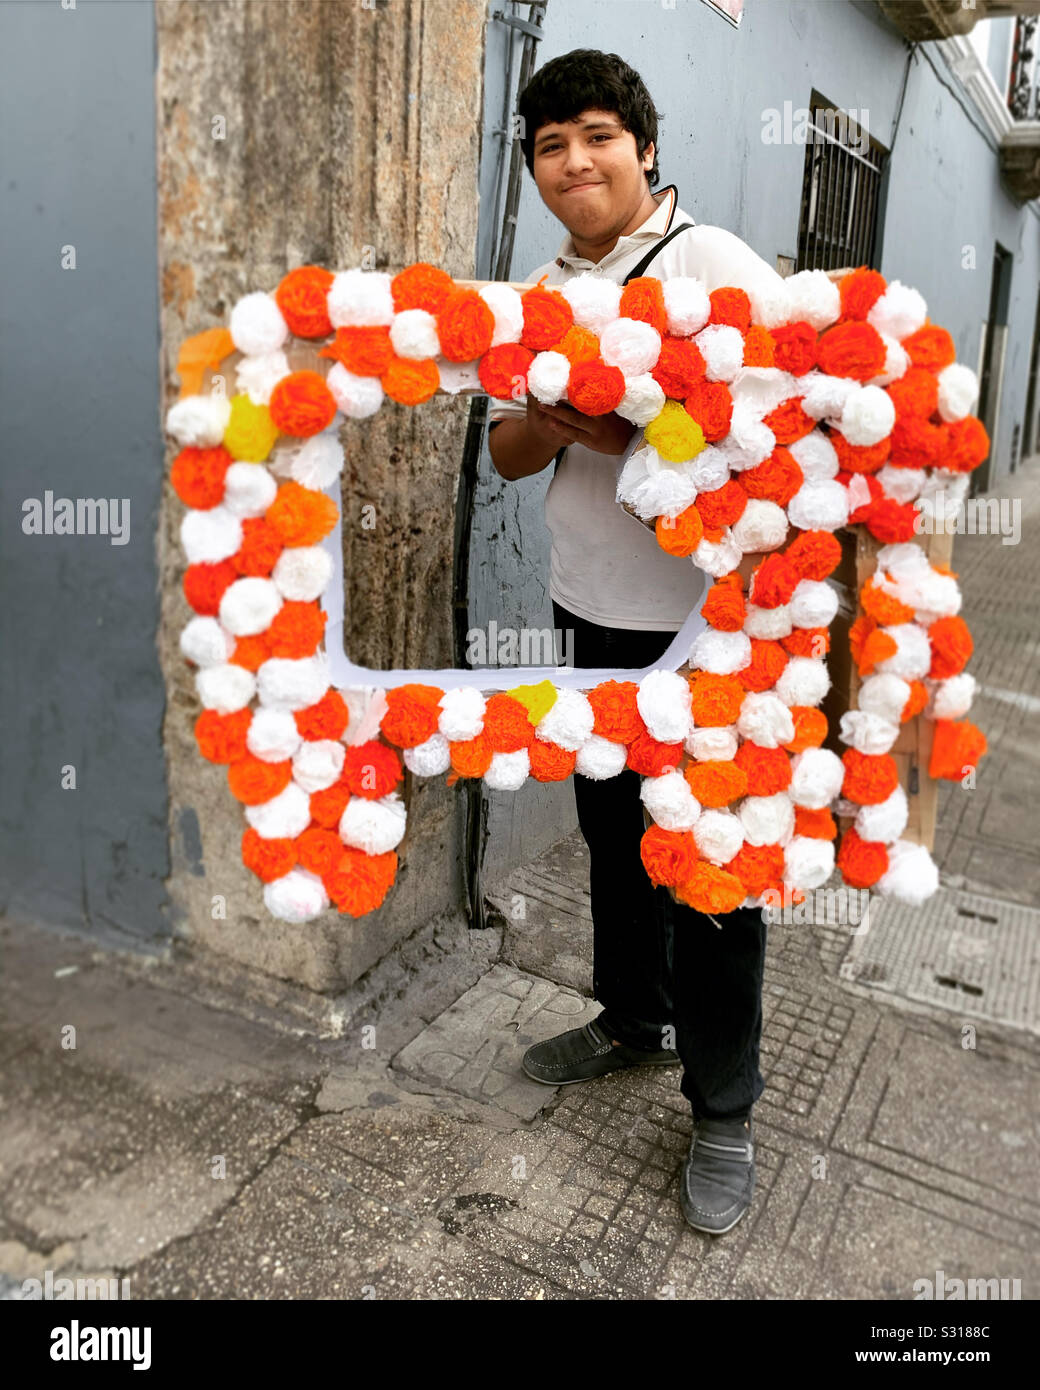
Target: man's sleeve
(717, 257)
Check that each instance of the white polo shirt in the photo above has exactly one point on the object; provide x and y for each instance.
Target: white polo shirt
(605, 565)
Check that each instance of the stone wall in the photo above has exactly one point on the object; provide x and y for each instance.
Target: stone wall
(340, 133)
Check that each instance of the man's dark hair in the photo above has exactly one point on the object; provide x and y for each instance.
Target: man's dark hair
(570, 84)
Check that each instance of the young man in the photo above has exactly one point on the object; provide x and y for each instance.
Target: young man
(661, 971)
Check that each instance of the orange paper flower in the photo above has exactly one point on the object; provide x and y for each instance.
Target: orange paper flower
(410, 380)
(302, 404)
(465, 326)
(371, 769)
(716, 700)
(952, 646)
(302, 297)
(862, 862)
(358, 883)
(364, 349)
(550, 762)
(709, 889)
(326, 719)
(197, 476)
(731, 306)
(667, 855)
(643, 299)
(956, 747)
(715, 782)
(222, 737)
(252, 781)
(810, 728)
(616, 714)
(680, 535)
(420, 286)
(301, 516)
(870, 778)
(204, 586)
(413, 711)
(711, 405)
(268, 859)
(766, 666)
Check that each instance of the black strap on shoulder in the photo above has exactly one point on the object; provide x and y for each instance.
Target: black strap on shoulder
(640, 269)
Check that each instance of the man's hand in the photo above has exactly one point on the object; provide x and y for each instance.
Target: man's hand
(562, 424)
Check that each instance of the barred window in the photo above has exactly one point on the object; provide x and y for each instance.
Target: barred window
(842, 191)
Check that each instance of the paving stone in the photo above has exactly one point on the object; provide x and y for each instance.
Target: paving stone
(475, 1046)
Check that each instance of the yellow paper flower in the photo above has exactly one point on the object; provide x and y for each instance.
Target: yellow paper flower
(250, 432)
(537, 700)
(675, 434)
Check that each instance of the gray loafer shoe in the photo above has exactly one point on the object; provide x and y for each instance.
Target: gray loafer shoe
(583, 1053)
(718, 1176)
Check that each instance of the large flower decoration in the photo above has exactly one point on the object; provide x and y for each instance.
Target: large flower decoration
(764, 427)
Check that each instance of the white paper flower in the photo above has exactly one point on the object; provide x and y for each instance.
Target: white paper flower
(225, 688)
(508, 771)
(206, 643)
(429, 759)
(631, 345)
(302, 572)
(899, 311)
(248, 606)
(765, 720)
(249, 489)
(599, 758)
(283, 683)
(669, 801)
(210, 536)
(663, 700)
(318, 462)
(506, 305)
(375, 826)
(721, 653)
(547, 377)
(569, 722)
(686, 305)
(199, 422)
(595, 300)
(256, 325)
(644, 396)
(413, 333)
(360, 298)
(318, 763)
(912, 876)
(816, 778)
(461, 713)
(258, 376)
(273, 736)
(722, 348)
(298, 896)
(357, 396)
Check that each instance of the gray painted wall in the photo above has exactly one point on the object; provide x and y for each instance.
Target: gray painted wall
(79, 393)
(712, 82)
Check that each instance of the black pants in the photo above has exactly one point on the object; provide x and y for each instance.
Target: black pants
(655, 962)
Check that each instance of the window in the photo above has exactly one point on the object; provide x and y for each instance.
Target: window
(841, 191)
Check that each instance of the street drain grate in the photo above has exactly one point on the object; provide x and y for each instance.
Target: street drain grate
(961, 951)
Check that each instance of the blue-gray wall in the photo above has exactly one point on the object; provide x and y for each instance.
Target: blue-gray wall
(79, 393)
(712, 82)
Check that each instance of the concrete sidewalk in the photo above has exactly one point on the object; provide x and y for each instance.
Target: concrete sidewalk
(204, 1153)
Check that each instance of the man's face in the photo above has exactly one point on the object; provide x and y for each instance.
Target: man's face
(589, 173)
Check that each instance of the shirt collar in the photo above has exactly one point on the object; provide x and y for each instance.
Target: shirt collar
(655, 226)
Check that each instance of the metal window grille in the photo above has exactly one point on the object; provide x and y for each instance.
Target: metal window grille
(842, 192)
